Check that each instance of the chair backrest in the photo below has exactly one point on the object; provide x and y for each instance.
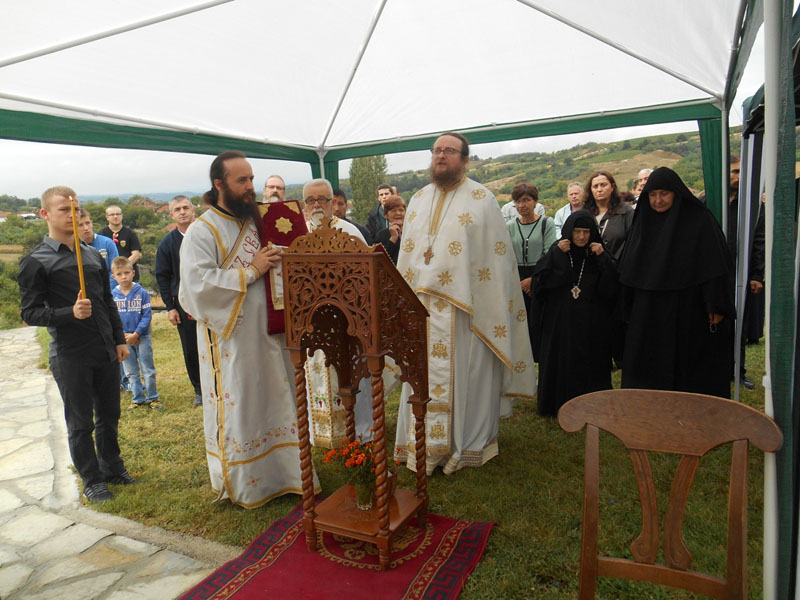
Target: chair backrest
(679, 423)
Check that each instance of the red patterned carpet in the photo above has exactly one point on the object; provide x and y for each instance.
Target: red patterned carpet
(432, 563)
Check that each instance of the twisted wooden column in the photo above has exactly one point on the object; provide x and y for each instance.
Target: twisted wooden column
(306, 466)
(379, 454)
(419, 409)
(348, 396)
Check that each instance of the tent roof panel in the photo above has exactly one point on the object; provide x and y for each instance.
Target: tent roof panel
(276, 70)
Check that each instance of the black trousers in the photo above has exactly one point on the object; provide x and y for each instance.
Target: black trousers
(89, 388)
(187, 330)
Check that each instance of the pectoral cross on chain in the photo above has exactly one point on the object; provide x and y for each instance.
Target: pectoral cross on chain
(576, 291)
(428, 254)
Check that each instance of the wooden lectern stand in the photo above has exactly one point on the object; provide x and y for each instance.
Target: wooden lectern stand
(348, 300)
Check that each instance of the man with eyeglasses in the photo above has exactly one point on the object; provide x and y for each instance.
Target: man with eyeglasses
(249, 413)
(376, 220)
(456, 254)
(124, 237)
(327, 416)
(274, 189)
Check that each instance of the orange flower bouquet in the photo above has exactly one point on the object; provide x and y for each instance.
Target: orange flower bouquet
(358, 460)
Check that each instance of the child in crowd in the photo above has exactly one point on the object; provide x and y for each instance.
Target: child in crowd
(133, 305)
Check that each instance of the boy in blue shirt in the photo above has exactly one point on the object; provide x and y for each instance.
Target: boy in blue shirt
(133, 305)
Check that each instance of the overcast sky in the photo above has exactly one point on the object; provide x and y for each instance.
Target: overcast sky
(27, 169)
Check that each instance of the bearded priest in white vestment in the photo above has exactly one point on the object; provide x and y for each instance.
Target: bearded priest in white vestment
(456, 255)
(249, 411)
(326, 409)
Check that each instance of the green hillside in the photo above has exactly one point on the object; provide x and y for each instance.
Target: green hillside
(552, 172)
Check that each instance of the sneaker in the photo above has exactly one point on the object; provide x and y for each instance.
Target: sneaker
(155, 404)
(123, 478)
(98, 492)
(745, 381)
(135, 405)
(198, 401)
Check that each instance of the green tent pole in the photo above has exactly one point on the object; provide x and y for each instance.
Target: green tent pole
(332, 172)
(779, 161)
(711, 151)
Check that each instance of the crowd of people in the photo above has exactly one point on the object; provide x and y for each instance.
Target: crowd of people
(644, 283)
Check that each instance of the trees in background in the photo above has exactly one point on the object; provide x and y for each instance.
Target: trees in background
(366, 174)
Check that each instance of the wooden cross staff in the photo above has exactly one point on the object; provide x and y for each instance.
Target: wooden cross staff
(72, 203)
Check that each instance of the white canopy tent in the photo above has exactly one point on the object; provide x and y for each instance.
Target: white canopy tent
(320, 82)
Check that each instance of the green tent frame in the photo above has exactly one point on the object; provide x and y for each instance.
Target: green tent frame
(29, 126)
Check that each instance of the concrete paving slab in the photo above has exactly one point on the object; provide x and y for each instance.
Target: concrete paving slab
(32, 526)
(27, 415)
(69, 541)
(166, 562)
(35, 430)
(29, 460)
(13, 577)
(37, 486)
(97, 559)
(14, 444)
(83, 589)
(8, 501)
(158, 589)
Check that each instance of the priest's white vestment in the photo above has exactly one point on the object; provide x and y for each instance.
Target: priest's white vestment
(325, 407)
(249, 411)
(456, 255)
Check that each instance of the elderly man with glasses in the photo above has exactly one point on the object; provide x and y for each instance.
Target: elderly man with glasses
(327, 415)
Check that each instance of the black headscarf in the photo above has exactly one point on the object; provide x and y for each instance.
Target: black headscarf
(677, 249)
(554, 269)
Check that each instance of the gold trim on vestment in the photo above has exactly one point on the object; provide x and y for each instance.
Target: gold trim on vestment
(237, 305)
(223, 215)
(450, 299)
(503, 358)
(216, 369)
(235, 463)
(223, 250)
(243, 230)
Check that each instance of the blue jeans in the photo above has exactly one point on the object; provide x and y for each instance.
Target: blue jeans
(141, 358)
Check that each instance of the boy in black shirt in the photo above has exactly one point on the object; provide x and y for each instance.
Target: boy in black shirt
(87, 342)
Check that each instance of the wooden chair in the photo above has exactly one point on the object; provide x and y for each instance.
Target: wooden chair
(678, 423)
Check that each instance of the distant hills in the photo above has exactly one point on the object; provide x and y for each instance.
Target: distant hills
(155, 196)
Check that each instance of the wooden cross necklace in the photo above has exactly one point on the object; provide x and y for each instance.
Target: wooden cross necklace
(434, 224)
(576, 289)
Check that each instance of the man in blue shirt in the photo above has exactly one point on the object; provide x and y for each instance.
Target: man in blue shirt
(104, 245)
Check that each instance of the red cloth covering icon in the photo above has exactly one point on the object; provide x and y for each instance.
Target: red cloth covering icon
(281, 223)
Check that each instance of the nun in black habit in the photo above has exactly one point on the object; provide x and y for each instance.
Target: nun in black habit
(677, 293)
(574, 285)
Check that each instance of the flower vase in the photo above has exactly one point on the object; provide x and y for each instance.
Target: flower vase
(363, 496)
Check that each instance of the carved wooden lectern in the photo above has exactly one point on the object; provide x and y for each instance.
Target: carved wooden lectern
(348, 300)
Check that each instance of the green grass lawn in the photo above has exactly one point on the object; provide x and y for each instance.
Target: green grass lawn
(533, 490)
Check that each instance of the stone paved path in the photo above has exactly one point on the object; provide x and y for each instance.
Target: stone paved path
(53, 547)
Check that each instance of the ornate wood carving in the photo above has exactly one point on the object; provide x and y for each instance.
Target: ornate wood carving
(349, 301)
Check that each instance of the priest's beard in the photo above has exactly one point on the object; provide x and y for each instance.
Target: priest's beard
(243, 205)
(448, 177)
(316, 217)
